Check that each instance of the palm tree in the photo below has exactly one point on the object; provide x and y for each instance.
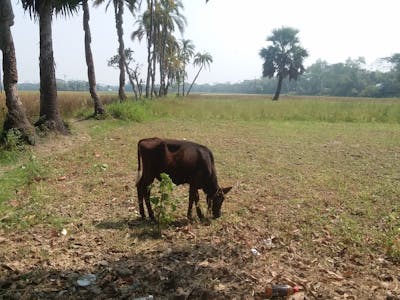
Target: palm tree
(98, 106)
(118, 13)
(145, 27)
(158, 23)
(202, 60)
(168, 16)
(16, 116)
(49, 118)
(284, 58)
(187, 51)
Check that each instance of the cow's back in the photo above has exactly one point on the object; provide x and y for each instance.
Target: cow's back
(188, 162)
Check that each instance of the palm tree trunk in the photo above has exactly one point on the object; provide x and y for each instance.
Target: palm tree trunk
(49, 113)
(98, 106)
(119, 10)
(183, 81)
(278, 88)
(194, 80)
(149, 44)
(162, 62)
(131, 80)
(154, 60)
(16, 116)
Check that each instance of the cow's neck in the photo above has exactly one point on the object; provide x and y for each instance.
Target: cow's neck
(211, 186)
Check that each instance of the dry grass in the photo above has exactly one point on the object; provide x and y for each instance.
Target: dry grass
(326, 193)
(69, 103)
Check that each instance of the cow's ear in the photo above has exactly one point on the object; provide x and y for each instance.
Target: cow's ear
(226, 190)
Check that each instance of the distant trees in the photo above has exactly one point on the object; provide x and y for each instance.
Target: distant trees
(394, 60)
(284, 58)
(132, 71)
(351, 78)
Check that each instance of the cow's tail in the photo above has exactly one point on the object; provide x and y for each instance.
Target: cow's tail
(140, 163)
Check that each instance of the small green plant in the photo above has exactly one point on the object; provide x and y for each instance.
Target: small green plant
(13, 140)
(163, 203)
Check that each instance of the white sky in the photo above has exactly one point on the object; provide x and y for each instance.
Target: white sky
(232, 31)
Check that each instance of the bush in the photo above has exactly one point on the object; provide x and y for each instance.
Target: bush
(128, 111)
(163, 203)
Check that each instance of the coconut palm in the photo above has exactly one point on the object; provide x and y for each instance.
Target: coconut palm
(202, 60)
(186, 53)
(98, 106)
(284, 58)
(118, 13)
(168, 17)
(16, 116)
(43, 10)
(157, 23)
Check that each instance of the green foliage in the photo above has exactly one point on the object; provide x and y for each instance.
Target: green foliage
(13, 140)
(164, 204)
(128, 111)
(285, 56)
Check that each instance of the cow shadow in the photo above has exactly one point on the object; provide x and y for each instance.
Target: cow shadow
(145, 229)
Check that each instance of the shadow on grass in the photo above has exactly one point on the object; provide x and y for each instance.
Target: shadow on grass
(142, 229)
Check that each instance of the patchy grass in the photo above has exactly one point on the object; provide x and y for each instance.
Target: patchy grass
(326, 193)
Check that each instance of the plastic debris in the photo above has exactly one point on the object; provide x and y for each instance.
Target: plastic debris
(255, 252)
(86, 280)
(149, 297)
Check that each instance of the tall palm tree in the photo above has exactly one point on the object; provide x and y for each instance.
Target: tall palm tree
(16, 116)
(118, 13)
(187, 52)
(169, 17)
(202, 60)
(145, 28)
(284, 58)
(44, 9)
(158, 22)
(98, 106)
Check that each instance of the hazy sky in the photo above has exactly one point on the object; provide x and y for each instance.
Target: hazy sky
(232, 31)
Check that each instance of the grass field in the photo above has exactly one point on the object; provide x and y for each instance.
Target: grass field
(319, 177)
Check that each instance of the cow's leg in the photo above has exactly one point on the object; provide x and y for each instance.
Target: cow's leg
(148, 204)
(141, 190)
(194, 197)
(144, 194)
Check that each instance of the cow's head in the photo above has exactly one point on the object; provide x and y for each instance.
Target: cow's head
(214, 202)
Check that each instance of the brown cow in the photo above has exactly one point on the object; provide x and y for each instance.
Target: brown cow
(184, 162)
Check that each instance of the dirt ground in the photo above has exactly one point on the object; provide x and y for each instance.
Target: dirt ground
(103, 251)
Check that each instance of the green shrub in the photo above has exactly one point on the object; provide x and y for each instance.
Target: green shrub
(128, 111)
(164, 204)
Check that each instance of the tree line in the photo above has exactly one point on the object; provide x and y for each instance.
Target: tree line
(351, 78)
